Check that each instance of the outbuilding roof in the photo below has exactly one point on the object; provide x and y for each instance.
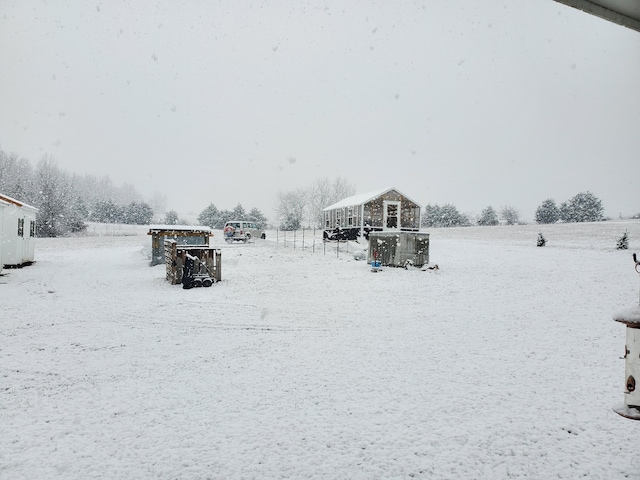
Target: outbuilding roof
(186, 228)
(7, 199)
(364, 198)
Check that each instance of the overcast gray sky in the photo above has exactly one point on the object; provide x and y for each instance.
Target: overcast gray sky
(473, 103)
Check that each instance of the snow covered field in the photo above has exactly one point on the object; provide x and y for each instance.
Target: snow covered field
(505, 363)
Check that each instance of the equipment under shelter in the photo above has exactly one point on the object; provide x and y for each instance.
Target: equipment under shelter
(182, 234)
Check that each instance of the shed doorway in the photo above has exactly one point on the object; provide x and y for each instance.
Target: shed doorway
(391, 215)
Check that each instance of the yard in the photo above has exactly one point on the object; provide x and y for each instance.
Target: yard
(504, 363)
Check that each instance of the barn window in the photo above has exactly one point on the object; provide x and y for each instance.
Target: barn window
(32, 228)
(338, 212)
(350, 217)
(21, 227)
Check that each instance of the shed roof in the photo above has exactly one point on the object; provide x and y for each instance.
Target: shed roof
(7, 199)
(185, 228)
(364, 198)
(622, 12)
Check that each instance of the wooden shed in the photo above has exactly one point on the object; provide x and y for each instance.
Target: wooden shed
(208, 261)
(182, 234)
(399, 249)
(378, 211)
(18, 232)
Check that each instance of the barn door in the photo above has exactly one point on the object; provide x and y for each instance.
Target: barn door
(391, 216)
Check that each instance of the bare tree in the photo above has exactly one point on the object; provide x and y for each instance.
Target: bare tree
(16, 177)
(324, 193)
(320, 196)
(291, 207)
(342, 188)
(158, 202)
(510, 215)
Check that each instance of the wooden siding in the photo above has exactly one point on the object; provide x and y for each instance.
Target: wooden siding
(174, 257)
(181, 236)
(374, 213)
(399, 249)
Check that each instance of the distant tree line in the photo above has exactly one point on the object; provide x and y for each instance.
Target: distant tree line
(214, 218)
(294, 208)
(584, 207)
(67, 201)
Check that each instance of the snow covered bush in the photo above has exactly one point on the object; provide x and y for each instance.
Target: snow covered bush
(623, 241)
(541, 240)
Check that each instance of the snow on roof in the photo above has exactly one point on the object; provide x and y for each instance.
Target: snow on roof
(198, 228)
(7, 199)
(364, 198)
(630, 316)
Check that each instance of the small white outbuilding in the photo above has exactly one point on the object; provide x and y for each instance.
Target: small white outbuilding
(17, 232)
(3, 205)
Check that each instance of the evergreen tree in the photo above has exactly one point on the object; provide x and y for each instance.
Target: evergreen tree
(53, 198)
(547, 212)
(171, 218)
(107, 212)
(541, 240)
(257, 216)
(443, 216)
(210, 216)
(488, 217)
(78, 213)
(225, 216)
(584, 207)
(137, 213)
(238, 213)
(623, 241)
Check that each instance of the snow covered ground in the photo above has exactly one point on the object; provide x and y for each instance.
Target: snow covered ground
(505, 363)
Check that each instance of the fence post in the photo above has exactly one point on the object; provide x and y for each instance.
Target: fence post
(313, 248)
(338, 249)
(294, 239)
(303, 239)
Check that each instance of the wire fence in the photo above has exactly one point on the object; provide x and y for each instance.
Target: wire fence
(311, 240)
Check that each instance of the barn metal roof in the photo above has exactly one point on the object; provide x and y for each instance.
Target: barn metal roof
(622, 12)
(13, 201)
(364, 198)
